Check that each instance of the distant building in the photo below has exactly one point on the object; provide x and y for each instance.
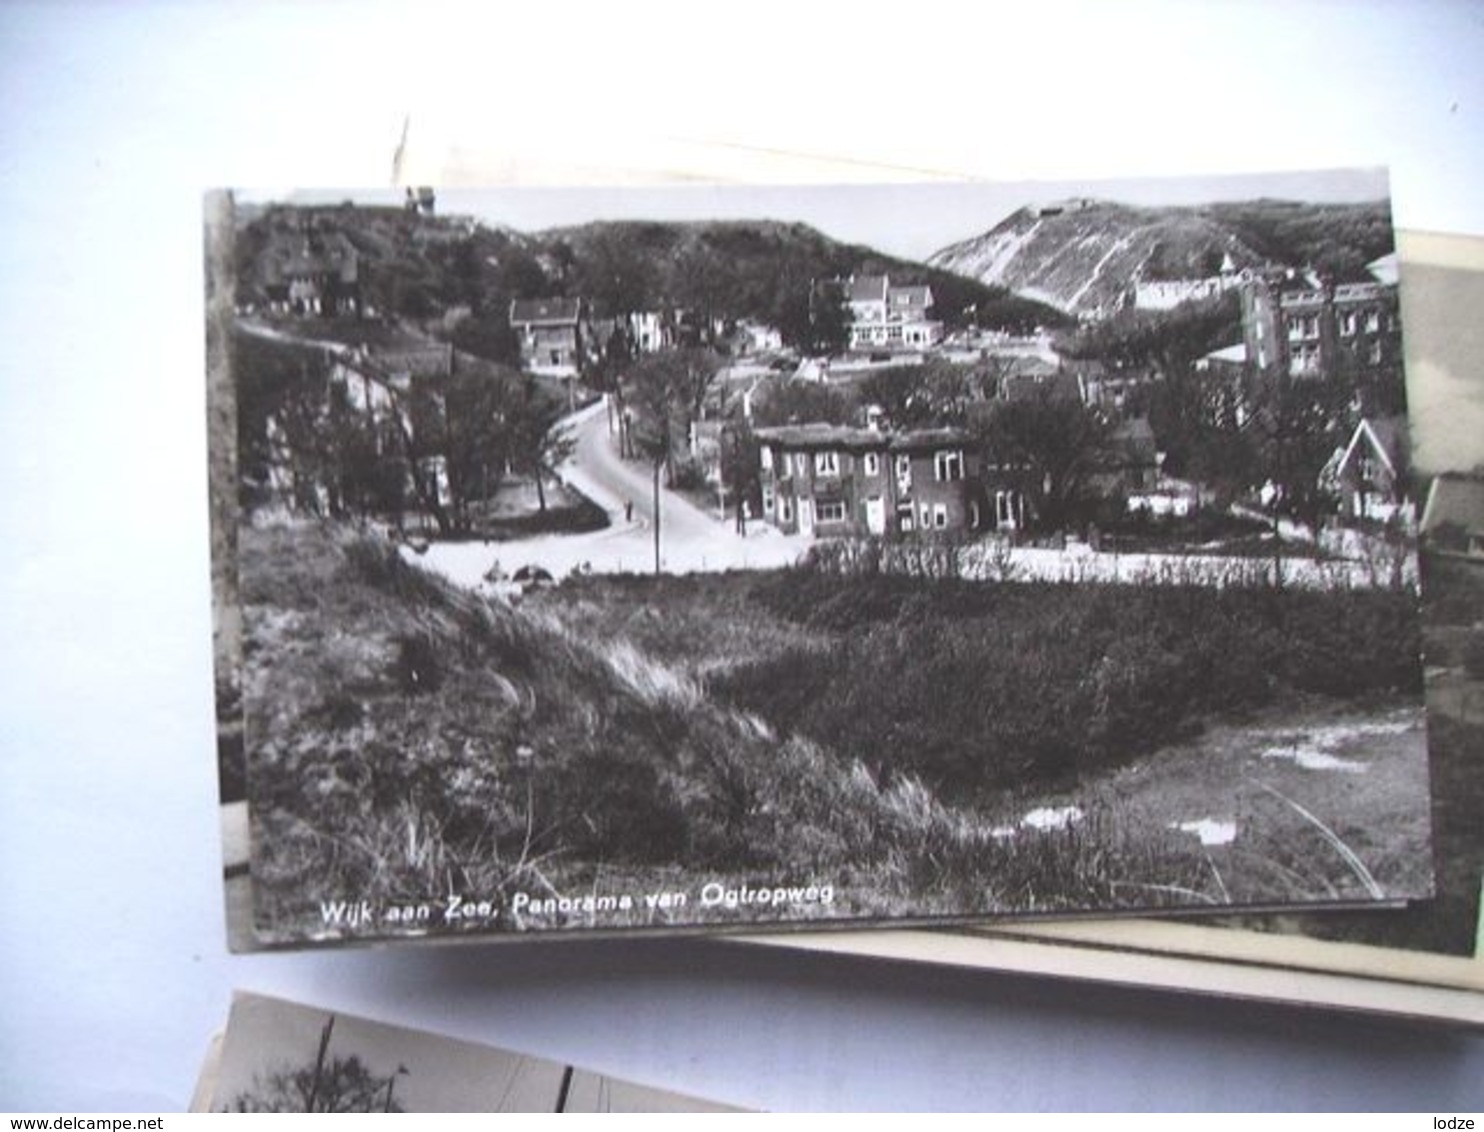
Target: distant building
(833, 480)
(310, 273)
(1166, 294)
(1027, 379)
(1060, 207)
(1370, 473)
(1453, 518)
(1301, 326)
(756, 338)
(649, 331)
(1130, 466)
(1385, 270)
(550, 334)
(883, 316)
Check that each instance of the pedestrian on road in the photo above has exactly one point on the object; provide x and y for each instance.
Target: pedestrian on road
(628, 510)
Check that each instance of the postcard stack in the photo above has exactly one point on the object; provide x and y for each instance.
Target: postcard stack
(1024, 564)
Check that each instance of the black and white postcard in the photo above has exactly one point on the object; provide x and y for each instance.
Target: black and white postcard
(651, 559)
(1425, 961)
(278, 1056)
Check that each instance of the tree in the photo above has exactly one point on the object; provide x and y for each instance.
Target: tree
(739, 471)
(1135, 339)
(701, 280)
(538, 443)
(802, 402)
(614, 273)
(935, 394)
(614, 356)
(1299, 424)
(1197, 420)
(488, 336)
(829, 319)
(1052, 445)
(328, 1084)
(345, 1084)
(812, 315)
(477, 438)
(662, 391)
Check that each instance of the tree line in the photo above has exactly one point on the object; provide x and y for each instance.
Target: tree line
(334, 435)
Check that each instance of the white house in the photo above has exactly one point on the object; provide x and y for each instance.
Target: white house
(883, 316)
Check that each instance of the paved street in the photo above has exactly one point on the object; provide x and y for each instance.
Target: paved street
(690, 540)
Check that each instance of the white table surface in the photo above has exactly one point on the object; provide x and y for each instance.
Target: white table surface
(113, 120)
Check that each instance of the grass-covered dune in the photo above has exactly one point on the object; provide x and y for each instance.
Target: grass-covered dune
(408, 742)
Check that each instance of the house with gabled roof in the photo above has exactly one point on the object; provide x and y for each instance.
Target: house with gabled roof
(1370, 473)
(1453, 518)
(550, 334)
(310, 272)
(887, 316)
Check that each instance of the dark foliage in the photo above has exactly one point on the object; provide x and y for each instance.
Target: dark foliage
(1135, 339)
(982, 686)
(1339, 239)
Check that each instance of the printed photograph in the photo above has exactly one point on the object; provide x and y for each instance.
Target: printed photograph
(1444, 291)
(1441, 298)
(279, 1056)
(720, 556)
(1421, 961)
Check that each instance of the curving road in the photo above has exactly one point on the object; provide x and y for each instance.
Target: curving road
(691, 539)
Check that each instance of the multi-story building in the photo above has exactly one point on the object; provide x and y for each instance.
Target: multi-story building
(1301, 326)
(309, 272)
(836, 480)
(883, 316)
(550, 333)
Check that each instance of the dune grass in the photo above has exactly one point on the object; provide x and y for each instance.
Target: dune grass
(409, 742)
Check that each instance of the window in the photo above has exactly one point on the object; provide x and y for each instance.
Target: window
(785, 509)
(872, 464)
(1372, 321)
(827, 463)
(767, 499)
(829, 511)
(1304, 360)
(1009, 510)
(1303, 327)
(1375, 353)
(948, 465)
(1348, 324)
(926, 515)
(904, 467)
(904, 518)
(765, 457)
(940, 515)
(801, 463)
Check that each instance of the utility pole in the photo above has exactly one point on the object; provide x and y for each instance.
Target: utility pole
(657, 464)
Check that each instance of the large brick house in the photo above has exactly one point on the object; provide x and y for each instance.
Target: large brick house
(833, 480)
(1299, 326)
